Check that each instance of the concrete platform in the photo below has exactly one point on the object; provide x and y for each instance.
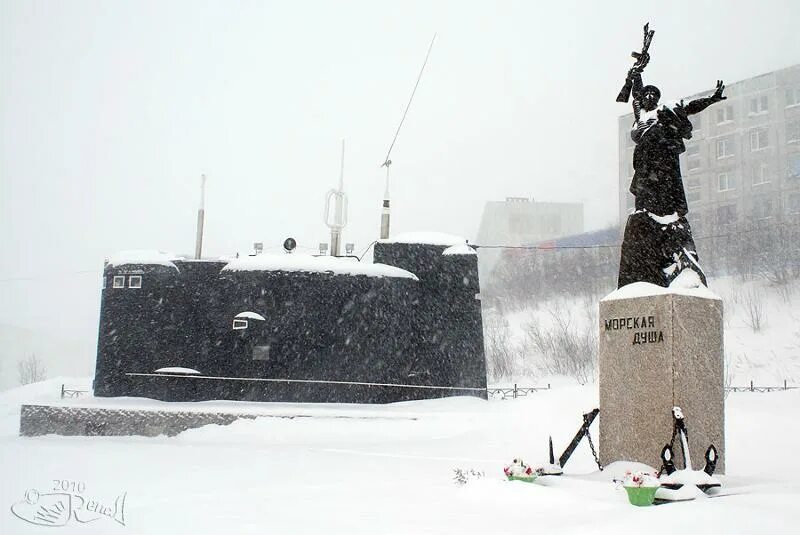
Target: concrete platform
(95, 419)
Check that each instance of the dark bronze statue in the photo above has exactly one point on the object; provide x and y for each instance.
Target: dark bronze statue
(658, 241)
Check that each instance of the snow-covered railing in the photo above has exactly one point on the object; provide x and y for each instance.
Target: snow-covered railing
(71, 392)
(307, 381)
(753, 388)
(515, 392)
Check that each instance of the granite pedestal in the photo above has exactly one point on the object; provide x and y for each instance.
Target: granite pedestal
(660, 349)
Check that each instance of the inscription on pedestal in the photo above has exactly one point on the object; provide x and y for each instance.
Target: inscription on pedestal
(643, 327)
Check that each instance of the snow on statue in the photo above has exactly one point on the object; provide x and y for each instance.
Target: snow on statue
(658, 241)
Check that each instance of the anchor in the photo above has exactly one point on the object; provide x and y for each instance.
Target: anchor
(672, 478)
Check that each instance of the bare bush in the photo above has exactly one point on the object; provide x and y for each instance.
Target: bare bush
(522, 278)
(754, 309)
(727, 373)
(735, 293)
(786, 291)
(564, 348)
(501, 352)
(31, 370)
(778, 256)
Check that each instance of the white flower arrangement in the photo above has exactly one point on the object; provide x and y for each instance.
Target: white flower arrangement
(518, 469)
(637, 479)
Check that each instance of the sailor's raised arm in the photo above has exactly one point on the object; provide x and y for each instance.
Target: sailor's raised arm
(698, 105)
(635, 78)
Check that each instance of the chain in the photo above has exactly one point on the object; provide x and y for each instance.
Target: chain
(671, 446)
(594, 453)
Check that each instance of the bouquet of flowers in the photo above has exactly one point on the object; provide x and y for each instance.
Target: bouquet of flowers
(640, 479)
(519, 471)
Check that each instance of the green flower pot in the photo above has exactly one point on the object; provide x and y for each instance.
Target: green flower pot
(641, 496)
(526, 479)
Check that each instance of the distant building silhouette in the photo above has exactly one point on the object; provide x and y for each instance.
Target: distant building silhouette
(521, 221)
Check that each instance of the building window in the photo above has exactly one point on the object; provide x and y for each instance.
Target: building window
(724, 114)
(693, 189)
(726, 215)
(697, 224)
(726, 181)
(724, 148)
(793, 167)
(759, 139)
(760, 174)
(759, 105)
(239, 325)
(793, 207)
(762, 208)
(792, 96)
(697, 123)
(693, 164)
(135, 281)
(793, 132)
(693, 150)
(119, 281)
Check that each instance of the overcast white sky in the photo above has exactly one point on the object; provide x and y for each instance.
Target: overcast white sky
(111, 110)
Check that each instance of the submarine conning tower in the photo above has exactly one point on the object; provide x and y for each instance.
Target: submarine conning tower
(293, 327)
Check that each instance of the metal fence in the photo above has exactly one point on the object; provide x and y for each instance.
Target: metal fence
(513, 392)
(522, 391)
(517, 391)
(753, 388)
(71, 392)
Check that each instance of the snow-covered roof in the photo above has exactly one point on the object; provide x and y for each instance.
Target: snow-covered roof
(144, 257)
(250, 315)
(426, 238)
(315, 264)
(177, 369)
(460, 249)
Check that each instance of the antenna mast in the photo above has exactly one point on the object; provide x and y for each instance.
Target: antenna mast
(385, 213)
(201, 212)
(338, 220)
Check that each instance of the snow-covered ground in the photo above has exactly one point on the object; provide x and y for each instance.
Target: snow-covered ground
(392, 472)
